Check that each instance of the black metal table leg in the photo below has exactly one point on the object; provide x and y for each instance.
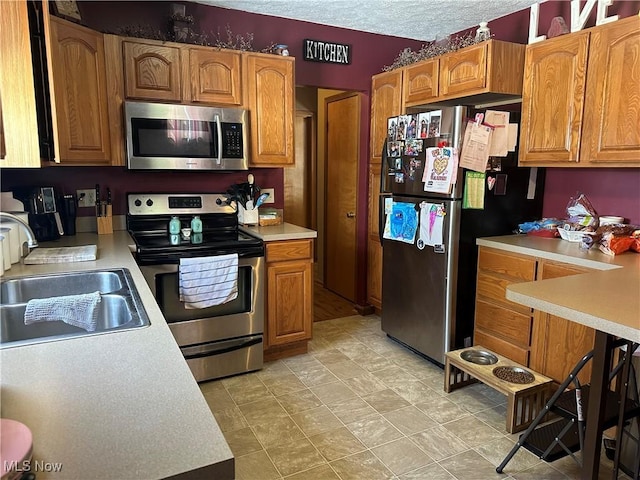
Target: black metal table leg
(595, 413)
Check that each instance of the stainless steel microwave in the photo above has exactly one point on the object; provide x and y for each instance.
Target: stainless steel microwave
(185, 137)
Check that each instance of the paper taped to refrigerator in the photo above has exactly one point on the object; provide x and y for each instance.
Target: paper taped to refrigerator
(440, 169)
(431, 224)
(402, 224)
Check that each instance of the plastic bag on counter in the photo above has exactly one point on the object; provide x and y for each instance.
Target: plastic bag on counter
(614, 239)
(581, 214)
(547, 227)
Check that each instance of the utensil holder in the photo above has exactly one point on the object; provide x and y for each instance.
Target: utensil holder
(247, 217)
(105, 224)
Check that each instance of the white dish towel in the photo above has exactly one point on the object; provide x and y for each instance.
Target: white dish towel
(77, 310)
(208, 281)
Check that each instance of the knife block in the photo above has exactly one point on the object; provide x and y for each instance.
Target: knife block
(105, 224)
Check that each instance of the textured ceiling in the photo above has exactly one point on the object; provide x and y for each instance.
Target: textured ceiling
(423, 20)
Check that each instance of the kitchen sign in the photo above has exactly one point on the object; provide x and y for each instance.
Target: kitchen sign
(326, 52)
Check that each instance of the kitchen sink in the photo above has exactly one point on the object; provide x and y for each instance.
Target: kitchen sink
(21, 290)
(120, 307)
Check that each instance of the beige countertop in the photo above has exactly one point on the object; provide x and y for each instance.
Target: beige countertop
(607, 299)
(112, 406)
(284, 231)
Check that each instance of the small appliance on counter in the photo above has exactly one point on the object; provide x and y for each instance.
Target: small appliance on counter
(50, 216)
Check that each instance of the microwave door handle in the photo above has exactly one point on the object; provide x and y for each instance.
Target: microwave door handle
(219, 132)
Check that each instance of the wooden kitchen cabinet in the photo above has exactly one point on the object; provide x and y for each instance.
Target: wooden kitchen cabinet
(175, 72)
(553, 99)
(289, 304)
(545, 343)
(580, 106)
(374, 247)
(215, 76)
(269, 85)
(79, 94)
(152, 71)
(611, 128)
(18, 123)
(558, 344)
(492, 67)
(501, 325)
(386, 101)
(421, 82)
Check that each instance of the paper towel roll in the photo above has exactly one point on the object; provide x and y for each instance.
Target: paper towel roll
(6, 248)
(15, 250)
(1, 254)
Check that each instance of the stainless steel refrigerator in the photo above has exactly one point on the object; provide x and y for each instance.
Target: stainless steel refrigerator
(428, 292)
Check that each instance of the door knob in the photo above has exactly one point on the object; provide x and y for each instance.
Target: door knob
(350, 215)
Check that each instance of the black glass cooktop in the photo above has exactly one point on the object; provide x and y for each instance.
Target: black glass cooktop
(165, 248)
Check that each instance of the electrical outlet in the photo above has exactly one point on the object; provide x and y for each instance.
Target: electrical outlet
(272, 196)
(86, 198)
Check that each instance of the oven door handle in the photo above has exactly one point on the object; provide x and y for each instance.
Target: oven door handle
(218, 348)
(219, 132)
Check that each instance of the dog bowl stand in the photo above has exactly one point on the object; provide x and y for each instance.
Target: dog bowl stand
(524, 401)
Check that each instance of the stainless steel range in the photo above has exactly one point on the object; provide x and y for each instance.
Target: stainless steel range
(217, 341)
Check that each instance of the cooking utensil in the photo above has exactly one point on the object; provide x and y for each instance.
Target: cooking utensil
(261, 199)
(251, 191)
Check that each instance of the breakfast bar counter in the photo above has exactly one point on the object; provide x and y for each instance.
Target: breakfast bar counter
(607, 300)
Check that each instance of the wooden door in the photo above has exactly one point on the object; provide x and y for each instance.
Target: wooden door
(611, 132)
(270, 84)
(421, 82)
(343, 152)
(300, 179)
(215, 76)
(79, 83)
(386, 101)
(553, 99)
(463, 70)
(152, 71)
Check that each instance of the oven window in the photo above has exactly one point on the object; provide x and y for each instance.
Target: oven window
(173, 309)
(173, 138)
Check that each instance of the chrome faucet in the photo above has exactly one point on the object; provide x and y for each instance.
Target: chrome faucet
(31, 237)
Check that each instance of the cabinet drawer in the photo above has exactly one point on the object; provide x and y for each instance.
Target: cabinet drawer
(504, 322)
(498, 261)
(288, 250)
(501, 347)
(495, 288)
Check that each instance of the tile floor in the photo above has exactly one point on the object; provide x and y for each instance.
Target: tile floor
(360, 406)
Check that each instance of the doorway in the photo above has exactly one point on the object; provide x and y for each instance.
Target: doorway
(342, 156)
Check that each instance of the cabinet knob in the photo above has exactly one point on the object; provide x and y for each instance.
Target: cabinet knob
(350, 215)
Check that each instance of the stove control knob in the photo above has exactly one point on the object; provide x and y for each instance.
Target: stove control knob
(149, 203)
(218, 201)
(138, 202)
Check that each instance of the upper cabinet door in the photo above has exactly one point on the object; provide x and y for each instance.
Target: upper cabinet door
(270, 84)
(464, 70)
(79, 81)
(421, 82)
(611, 129)
(386, 101)
(152, 71)
(215, 76)
(553, 99)
(18, 124)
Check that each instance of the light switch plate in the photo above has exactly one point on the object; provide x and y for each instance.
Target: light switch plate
(272, 196)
